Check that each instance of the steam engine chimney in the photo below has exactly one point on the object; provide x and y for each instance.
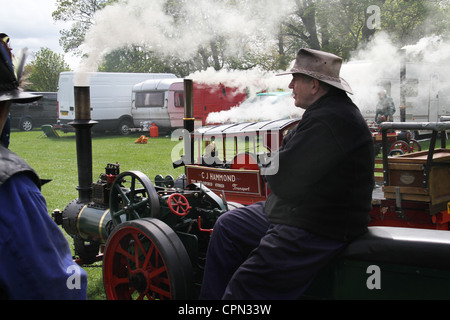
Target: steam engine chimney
(82, 125)
(189, 120)
(189, 105)
(189, 125)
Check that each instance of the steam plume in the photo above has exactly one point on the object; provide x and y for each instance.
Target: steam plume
(380, 61)
(147, 23)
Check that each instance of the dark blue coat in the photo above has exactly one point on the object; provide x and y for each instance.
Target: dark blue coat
(35, 257)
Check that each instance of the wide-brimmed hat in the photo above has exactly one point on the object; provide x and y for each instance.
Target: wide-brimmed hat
(9, 84)
(323, 66)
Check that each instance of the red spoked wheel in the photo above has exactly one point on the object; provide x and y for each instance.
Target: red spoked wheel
(399, 147)
(145, 260)
(414, 145)
(178, 204)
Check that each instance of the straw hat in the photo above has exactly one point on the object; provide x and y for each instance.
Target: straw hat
(320, 65)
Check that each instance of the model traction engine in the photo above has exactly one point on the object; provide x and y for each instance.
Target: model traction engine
(154, 236)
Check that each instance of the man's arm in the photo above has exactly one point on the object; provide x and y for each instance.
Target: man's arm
(35, 257)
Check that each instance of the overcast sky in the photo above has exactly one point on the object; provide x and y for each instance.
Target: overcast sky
(29, 23)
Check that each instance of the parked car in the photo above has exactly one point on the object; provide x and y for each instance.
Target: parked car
(30, 115)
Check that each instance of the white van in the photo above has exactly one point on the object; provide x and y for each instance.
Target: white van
(110, 98)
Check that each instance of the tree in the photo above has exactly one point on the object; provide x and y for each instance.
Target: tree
(344, 24)
(81, 13)
(140, 59)
(340, 26)
(337, 26)
(409, 21)
(45, 70)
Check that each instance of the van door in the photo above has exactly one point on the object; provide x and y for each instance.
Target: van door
(176, 105)
(66, 100)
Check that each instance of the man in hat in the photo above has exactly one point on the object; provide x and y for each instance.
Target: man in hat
(35, 258)
(319, 200)
(385, 108)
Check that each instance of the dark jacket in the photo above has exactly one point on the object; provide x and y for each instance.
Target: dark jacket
(12, 164)
(325, 179)
(35, 258)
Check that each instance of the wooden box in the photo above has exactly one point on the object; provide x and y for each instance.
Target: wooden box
(406, 173)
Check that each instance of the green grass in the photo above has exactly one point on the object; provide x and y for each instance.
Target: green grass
(56, 159)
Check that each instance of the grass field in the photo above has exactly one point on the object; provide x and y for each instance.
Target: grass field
(56, 159)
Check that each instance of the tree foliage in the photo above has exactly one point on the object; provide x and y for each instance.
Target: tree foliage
(139, 59)
(81, 13)
(44, 71)
(341, 26)
(337, 26)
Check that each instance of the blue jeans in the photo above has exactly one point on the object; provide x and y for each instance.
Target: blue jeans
(249, 258)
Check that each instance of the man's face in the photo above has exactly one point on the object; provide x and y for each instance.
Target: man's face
(302, 89)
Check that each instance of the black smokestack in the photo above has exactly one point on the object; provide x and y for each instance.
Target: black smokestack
(189, 120)
(189, 125)
(82, 125)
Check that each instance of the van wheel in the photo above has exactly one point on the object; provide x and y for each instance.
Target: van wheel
(26, 124)
(124, 127)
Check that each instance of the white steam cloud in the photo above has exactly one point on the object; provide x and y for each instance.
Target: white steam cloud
(265, 107)
(378, 66)
(243, 24)
(380, 59)
(143, 22)
(371, 69)
(255, 108)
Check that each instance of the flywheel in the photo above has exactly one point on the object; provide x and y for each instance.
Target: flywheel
(132, 197)
(145, 260)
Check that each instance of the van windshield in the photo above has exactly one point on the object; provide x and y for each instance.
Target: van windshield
(149, 99)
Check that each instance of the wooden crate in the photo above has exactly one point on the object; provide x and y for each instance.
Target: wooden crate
(406, 172)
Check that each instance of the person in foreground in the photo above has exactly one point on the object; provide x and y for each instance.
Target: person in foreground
(35, 257)
(319, 200)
